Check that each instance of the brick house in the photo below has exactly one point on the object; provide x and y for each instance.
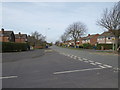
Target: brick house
(106, 38)
(7, 36)
(69, 42)
(21, 38)
(91, 39)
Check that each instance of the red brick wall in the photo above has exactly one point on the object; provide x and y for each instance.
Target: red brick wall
(4, 39)
(93, 40)
(20, 40)
(80, 41)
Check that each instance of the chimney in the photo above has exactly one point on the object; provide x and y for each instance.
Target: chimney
(19, 33)
(2, 30)
(88, 34)
(28, 35)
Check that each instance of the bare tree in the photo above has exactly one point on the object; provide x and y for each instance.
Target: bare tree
(57, 42)
(76, 30)
(110, 20)
(36, 38)
(64, 37)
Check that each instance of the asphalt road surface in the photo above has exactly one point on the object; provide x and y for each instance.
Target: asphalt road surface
(59, 68)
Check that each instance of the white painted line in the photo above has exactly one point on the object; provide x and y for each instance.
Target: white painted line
(84, 59)
(80, 59)
(93, 63)
(68, 55)
(107, 66)
(98, 63)
(71, 56)
(63, 72)
(101, 66)
(90, 61)
(8, 77)
(75, 56)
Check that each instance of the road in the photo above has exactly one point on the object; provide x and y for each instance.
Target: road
(59, 68)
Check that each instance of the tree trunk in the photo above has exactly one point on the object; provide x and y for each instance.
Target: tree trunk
(116, 43)
(75, 43)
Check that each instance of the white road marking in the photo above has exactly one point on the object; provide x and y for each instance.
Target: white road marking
(98, 63)
(8, 77)
(68, 55)
(75, 56)
(90, 61)
(71, 56)
(80, 59)
(85, 59)
(101, 66)
(63, 72)
(93, 63)
(107, 66)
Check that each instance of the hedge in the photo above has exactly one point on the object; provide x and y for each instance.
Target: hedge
(105, 46)
(87, 46)
(13, 47)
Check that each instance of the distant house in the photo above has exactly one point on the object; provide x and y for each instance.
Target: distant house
(106, 38)
(21, 38)
(7, 36)
(91, 39)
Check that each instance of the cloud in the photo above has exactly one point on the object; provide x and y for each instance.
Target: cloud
(28, 17)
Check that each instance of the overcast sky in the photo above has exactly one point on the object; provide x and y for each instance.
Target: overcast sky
(51, 18)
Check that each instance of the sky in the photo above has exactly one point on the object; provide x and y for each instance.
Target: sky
(51, 18)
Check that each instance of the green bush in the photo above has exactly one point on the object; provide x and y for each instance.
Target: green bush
(12, 47)
(50, 44)
(105, 46)
(87, 46)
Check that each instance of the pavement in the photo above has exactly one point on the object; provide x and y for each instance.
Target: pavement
(59, 68)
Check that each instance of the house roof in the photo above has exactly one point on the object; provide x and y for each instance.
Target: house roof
(23, 36)
(89, 36)
(6, 33)
(106, 34)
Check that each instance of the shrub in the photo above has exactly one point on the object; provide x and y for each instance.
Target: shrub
(12, 47)
(105, 46)
(87, 46)
(50, 44)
